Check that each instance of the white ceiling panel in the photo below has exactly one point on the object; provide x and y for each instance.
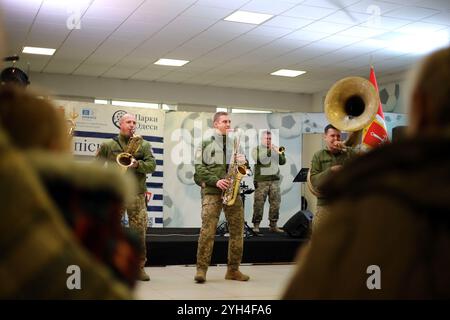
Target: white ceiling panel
(441, 18)
(108, 25)
(362, 32)
(120, 72)
(306, 35)
(326, 27)
(372, 7)
(228, 27)
(19, 15)
(390, 23)
(46, 40)
(199, 11)
(62, 19)
(308, 12)
(61, 66)
(434, 4)
(269, 32)
(288, 22)
(167, 8)
(346, 17)
(176, 77)
(122, 39)
(93, 70)
(338, 40)
(267, 6)
(330, 3)
(229, 4)
(152, 73)
(113, 13)
(420, 28)
(410, 12)
(34, 62)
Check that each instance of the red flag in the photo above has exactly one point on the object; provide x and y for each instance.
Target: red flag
(375, 133)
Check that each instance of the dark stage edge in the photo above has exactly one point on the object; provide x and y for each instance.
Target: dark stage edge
(178, 246)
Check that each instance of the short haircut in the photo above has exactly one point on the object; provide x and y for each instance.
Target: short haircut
(328, 127)
(126, 114)
(218, 114)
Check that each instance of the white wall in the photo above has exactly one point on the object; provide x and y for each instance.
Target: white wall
(171, 93)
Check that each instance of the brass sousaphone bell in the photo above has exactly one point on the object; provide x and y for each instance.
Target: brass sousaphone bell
(351, 104)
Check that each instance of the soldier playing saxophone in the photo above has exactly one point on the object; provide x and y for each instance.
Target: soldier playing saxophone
(211, 168)
(141, 163)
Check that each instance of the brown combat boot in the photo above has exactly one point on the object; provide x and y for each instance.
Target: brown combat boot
(142, 275)
(256, 227)
(273, 227)
(200, 276)
(236, 275)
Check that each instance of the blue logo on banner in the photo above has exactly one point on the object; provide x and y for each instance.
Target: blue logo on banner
(88, 114)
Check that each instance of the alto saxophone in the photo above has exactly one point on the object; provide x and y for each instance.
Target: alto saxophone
(125, 159)
(234, 175)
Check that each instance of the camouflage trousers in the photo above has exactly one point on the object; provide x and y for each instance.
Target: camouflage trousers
(138, 220)
(262, 190)
(211, 209)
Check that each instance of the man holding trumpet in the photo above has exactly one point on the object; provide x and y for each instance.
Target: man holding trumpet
(325, 162)
(267, 159)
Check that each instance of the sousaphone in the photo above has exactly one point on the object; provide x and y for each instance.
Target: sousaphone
(351, 104)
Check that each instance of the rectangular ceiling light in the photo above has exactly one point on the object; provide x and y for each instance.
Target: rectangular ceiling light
(288, 73)
(248, 17)
(171, 62)
(36, 50)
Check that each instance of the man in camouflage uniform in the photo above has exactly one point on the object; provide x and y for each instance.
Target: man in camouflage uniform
(267, 181)
(211, 167)
(324, 163)
(143, 163)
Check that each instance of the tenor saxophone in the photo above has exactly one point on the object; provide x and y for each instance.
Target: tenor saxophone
(125, 159)
(234, 175)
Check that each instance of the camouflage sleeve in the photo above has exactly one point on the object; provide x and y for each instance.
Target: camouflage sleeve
(202, 173)
(318, 173)
(282, 159)
(148, 163)
(102, 153)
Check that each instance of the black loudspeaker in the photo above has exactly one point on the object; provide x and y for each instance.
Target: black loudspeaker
(299, 225)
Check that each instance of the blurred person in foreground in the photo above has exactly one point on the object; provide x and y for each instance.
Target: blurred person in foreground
(389, 233)
(58, 216)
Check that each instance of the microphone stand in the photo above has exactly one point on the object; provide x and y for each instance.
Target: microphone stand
(245, 190)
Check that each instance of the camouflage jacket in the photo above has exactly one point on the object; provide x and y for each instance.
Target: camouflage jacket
(38, 248)
(321, 164)
(267, 163)
(212, 162)
(147, 164)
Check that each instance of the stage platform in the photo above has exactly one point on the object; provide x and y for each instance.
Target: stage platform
(178, 246)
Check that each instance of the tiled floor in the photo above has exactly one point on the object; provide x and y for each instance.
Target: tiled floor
(267, 282)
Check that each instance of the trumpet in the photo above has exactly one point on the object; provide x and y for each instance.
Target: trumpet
(280, 150)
